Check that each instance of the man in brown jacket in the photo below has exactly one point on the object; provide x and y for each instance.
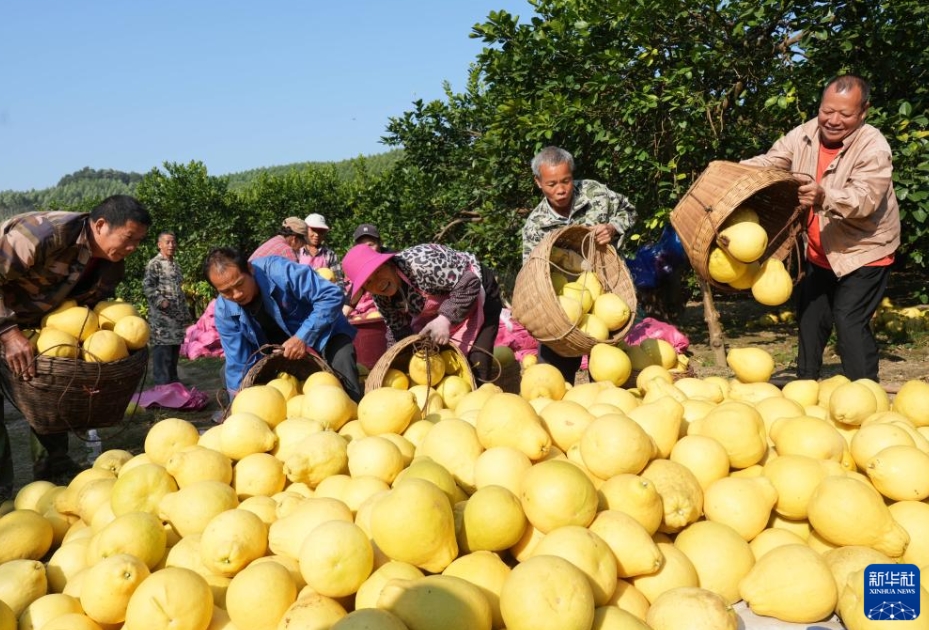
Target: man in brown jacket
(852, 226)
(46, 258)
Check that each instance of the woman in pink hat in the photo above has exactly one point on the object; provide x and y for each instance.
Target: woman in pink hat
(435, 291)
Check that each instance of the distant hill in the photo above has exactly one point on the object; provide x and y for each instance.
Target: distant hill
(87, 186)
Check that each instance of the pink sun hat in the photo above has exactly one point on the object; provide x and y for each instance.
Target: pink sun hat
(360, 262)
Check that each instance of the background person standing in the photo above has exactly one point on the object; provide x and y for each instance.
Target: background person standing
(168, 313)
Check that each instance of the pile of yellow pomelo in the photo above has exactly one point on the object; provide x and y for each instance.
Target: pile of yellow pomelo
(585, 302)
(108, 332)
(432, 380)
(559, 508)
(735, 260)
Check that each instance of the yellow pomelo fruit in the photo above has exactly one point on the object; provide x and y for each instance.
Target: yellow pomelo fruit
(169, 436)
(590, 281)
(681, 494)
(21, 583)
(326, 273)
(26, 535)
(635, 496)
(93, 495)
(140, 534)
(585, 393)
(360, 489)
(661, 419)
(140, 489)
(112, 460)
(802, 391)
(328, 404)
(396, 379)
(427, 399)
(612, 310)
(573, 308)
(133, 330)
(57, 343)
(773, 284)
(547, 593)
(291, 431)
(792, 583)
(492, 520)
(375, 456)
(501, 466)
(620, 398)
(651, 372)
(773, 537)
(720, 556)
(321, 377)
(258, 474)
(594, 326)
(67, 561)
(259, 594)
(370, 619)
(609, 364)
(913, 516)
(676, 571)
(315, 457)
(691, 607)
(29, 496)
(795, 477)
(209, 439)
(104, 346)
(637, 357)
(704, 456)
(245, 433)
(614, 445)
(631, 544)
(880, 395)
(488, 572)
(587, 551)
(630, 600)
(437, 601)
(170, 598)
(900, 473)
(724, 268)
(660, 352)
(414, 523)
(910, 401)
(196, 463)
(387, 410)
(851, 403)
(742, 503)
(455, 363)
(78, 321)
(846, 511)
(370, 590)
(565, 421)
(264, 401)
(750, 365)
(312, 611)
(287, 534)
(509, 420)
(579, 295)
(745, 241)
(453, 444)
(611, 617)
(426, 369)
(407, 448)
(874, 437)
(747, 279)
(191, 508)
(336, 558)
(844, 561)
(108, 586)
(454, 388)
(739, 428)
(263, 507)
(542, 380)
(72, 621)
(555, 493)
(804, 435)
(287, 387)
(231, 540)
(41, 611)
(851, 606)
(295, 406)
(111, 311)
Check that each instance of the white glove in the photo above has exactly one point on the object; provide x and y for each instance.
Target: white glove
(439, 330)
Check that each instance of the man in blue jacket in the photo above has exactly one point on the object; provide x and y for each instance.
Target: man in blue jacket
(275, 301)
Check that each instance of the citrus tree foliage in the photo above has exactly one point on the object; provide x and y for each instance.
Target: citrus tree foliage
(646, 94)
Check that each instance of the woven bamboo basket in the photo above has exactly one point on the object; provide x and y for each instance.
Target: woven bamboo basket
(398, 356)
(273, 363)
(536, 306)
(723, 187)
(74, 395)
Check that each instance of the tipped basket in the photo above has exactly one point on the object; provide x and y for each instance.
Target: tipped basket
(74, 395)
(273, 363)
(723, 187)
(536, 306)
(398, 356)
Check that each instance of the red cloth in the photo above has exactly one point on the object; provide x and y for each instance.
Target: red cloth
(202, 338)
(172, 396)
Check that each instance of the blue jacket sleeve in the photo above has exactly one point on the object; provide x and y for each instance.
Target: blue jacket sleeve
(233, 342)
(324, 299)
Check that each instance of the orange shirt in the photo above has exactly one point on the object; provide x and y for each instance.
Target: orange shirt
(814, 251)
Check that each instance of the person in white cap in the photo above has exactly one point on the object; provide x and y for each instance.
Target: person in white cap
(316, 254)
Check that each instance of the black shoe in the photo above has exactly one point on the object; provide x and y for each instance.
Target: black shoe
(59, 469)
(6, 493)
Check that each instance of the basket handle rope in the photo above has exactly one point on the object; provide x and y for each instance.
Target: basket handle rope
(498, 373)
(429, 349)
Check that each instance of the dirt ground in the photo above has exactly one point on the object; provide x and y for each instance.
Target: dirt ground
(900, 361)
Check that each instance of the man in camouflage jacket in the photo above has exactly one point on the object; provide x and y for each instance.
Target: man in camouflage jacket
(572, 202)
(168, 314)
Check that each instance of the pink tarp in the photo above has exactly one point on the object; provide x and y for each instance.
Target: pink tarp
(202, 338)
(172, 396)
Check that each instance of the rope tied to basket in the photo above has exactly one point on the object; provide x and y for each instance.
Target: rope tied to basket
(429, 349)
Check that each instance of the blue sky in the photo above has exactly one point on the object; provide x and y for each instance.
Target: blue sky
(234, 84)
